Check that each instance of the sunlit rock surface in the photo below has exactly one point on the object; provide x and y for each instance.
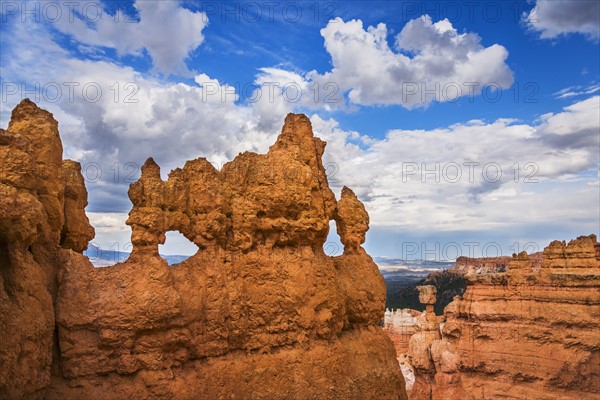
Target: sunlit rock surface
(259, 312)
(532, 332)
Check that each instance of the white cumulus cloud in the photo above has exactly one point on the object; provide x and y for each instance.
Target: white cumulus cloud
(553, 18)
(430, 62)
(548, 169)
(476, 175)
(165, 30)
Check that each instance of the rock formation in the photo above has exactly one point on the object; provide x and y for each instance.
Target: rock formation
(42, 218)
(529, 333)
(490, 265)
(431, 358)
(259, 312)
(428, 296)
(447, 283)
(400, 325)
(482, 265)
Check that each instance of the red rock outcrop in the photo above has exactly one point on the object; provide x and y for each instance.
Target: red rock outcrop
(528, 333)
(400, 325)
(39, 223)
(259, 312)
(490, 265)
(484, 265)
(431, 358)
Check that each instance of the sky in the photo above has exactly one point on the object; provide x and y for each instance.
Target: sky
(466, 128)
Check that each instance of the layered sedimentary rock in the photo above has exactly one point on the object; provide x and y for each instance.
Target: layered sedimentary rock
(400, 325)
(42, 217)
(529, 333)
(432, 358)
(468, 265)
(490, 265)
(259, 312)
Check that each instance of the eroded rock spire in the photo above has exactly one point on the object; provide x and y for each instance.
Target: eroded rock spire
(260, 311)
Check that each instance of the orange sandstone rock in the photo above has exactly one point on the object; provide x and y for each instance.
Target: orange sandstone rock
(37, 227)
(259, 312)
(529, 333)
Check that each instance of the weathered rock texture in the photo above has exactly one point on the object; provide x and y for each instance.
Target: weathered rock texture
(260, 312)
(400, 325)
(448, 284)
(490, 265)
(528, 333)
(431, 358)
(483, 265)
(42, 201)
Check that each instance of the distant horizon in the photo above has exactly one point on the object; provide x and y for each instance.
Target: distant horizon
(173, 238)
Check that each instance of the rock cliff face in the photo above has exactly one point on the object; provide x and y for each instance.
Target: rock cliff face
(259, 312)
(400, 325)
(490, 265)
(42, 218)
(483, 265)
(529, 333)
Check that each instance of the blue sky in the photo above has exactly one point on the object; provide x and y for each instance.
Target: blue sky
(537, 62)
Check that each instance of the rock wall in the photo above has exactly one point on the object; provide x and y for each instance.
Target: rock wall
(483, 265)
(491, 265)
(42, 218)
(400, 325)
(529, 333)
(260, 312)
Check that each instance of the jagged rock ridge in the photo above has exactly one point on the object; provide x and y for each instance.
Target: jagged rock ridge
(259, 312)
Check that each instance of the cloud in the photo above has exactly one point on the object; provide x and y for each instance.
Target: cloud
(111, 231)
(476, 175)
(432, 62)
(407, 180)
(165, 30)
(574, 91)
(134, 116)
(577, 127)
(553, 18)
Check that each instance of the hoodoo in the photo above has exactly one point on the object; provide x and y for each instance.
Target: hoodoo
(259, 312)
(529, 332)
